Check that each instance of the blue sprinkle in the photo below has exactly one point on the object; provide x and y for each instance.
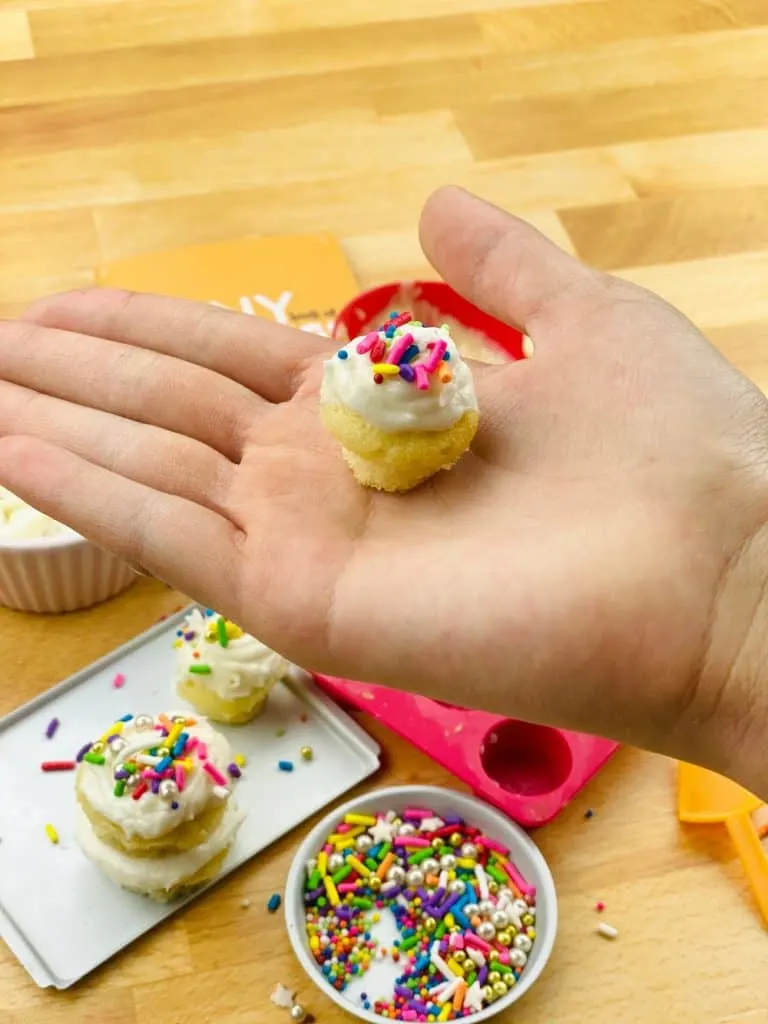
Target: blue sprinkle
(174, 806)
(125, 718)
(589, 814)
(179, 633)
(363, 995)
(209, 612)
(389, 332)
(342, 354)
(393, 314)
(164, 765)
(366, 1005)
(273, 903)
(446, 357)
(410, 353)
(285, 766)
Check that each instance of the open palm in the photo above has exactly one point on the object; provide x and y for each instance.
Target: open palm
(572, 569)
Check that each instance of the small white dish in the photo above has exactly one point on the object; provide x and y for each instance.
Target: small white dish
(523, 852)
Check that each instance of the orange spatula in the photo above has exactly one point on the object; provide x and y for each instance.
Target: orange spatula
(705, 798)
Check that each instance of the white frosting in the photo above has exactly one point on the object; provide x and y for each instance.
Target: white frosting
(152, 816)
(19, 521)
(152, 874)
(237, 670)
(397, 405)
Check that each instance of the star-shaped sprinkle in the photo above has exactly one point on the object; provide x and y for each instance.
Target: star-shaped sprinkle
(382, 832)
(431, 824)
(282, 997)
(473, 998)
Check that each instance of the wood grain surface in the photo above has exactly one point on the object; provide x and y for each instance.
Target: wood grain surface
(635, 134)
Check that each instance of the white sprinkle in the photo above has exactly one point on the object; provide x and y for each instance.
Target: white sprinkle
(443, 882)
(607, 931)
(448, 993)
(482, 881)
(221, 792)
(440, 964)
(245, 904)
(475, 956)
(148, 759)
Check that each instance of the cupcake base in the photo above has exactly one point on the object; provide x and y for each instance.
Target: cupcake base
(397, 462)
(235, 711)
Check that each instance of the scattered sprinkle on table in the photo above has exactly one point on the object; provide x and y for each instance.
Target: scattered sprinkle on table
(52, 834)
(53, 725)
(240, 760)
(58, 766)
(307, 753)
(599, 906)
(607, 931)
(589, 813)
(285, 766)
(273, 903)
(466, 917)
(119, 681)
(245, 904)
(279, 733)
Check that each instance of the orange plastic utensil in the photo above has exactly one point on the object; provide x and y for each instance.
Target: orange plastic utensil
(705, 798)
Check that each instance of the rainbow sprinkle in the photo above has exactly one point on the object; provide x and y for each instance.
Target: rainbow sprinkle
(466, 926)
(158, 758)
(394, 351)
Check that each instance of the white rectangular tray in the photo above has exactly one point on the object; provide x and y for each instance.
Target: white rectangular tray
(58, 914)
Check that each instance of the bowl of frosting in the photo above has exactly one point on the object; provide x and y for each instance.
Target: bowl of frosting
(47, 567)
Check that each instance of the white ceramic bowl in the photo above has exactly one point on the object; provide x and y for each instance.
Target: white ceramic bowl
(523, 852)
(61, 573)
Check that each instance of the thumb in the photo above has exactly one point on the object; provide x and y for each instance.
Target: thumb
(499, 262)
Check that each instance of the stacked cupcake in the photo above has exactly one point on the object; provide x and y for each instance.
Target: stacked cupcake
(156, 812)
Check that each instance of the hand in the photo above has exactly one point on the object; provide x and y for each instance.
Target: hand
(597, 562)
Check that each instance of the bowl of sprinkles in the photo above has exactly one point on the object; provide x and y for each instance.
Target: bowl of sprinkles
(416, 903)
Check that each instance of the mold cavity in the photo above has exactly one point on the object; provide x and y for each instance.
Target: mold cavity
(526, 759)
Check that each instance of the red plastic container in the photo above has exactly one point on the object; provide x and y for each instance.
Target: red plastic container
(528, 771)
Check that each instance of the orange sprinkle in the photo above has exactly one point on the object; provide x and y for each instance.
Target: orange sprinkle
(433, 881)
(475, 921)
(458, 997)
(385, 865)
(446, 378)
(165, 721)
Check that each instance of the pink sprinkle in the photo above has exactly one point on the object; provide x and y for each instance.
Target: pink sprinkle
(399, 348)
(347, 886)
(215, 774)
(409, 1015)
(412, 841)
(148, 773)
(202, 750)
(343, 827)
(434, 358)
(503, 952)
(422, 380)
(491, 844)
(417, 813)
(517, 879)
(119, 681)
(191, 744)
(470, 939)
(456, 941)
(180, 777)
(367, 343)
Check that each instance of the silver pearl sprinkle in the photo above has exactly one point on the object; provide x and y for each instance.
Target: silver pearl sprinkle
(430, 866)
(396, 874)
(168, 790)
(311, 865)
(470, 910)
(520, 907)
(517, 958)
(469, 850)
(406, 829)
(415, 878)
(486, 931)
(363, 843)
(132, 781)
(117, 745)
(486, 907)
(523, 942)
(142, 723)
(457, 886)
(499, 920)
(298, 1013)
(335, 863)
(448, 862)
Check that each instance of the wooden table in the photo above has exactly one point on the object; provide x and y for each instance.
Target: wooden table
(634, 134)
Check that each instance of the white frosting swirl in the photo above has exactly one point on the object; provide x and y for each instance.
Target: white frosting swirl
(237, 670)
(154, 874)
(19, 521)
(152, 816)
(397, 405)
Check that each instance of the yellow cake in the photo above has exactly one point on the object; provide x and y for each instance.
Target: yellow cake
(401, 403)
(155, 808)
(224, 673)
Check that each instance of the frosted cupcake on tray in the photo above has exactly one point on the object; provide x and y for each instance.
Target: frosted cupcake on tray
(155, 807)
(224, 673)
(401, 402)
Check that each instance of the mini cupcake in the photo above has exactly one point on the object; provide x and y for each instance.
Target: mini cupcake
(224, 673)
(401, 402)
(155, 808)
(46, 567)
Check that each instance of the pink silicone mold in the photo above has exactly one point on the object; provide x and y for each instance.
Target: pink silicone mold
(528, 771)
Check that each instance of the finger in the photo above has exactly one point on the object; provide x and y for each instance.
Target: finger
(149, 455)
(189, 547)
(500, 263)
(267, 358)
(148, 387)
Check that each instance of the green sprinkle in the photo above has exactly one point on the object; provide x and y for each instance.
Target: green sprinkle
(130, 768)
(472, 978)
(441, 929)
(446, 850)
(362, 904)
(341, 874)
(384, 850)
(419, 856)
(94, 758)
(371, 863)
(496, 873)
(200, 670)
(119, 787)
(502, 968)
(406, 944)
(314, 880)
(279, 733)
(221, 630)
(322, 901)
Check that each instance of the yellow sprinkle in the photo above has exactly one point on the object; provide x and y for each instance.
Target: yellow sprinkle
(330, 889)
(449, 921)
(456, 968)
(360, 819)
(113, 730)
(343, 837)
(464, 862)
(344, 842)
(358, 866)
(387, 370)
(314, 943)
(322, 863)
(173, 735)
(52, 834)
(240, 760)
(445, 1013)
(178, 643)
(233, 631)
